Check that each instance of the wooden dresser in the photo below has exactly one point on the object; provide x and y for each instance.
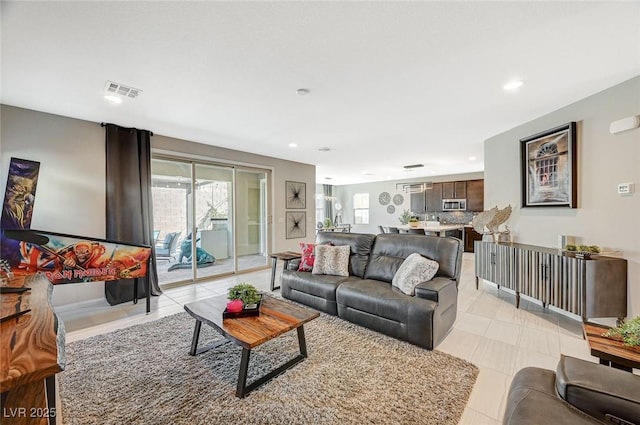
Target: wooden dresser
(31, 353)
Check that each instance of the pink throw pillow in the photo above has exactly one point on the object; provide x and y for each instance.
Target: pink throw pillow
(308, 256)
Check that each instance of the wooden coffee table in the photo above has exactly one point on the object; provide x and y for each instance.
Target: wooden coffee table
(276, 318)
(611, 352)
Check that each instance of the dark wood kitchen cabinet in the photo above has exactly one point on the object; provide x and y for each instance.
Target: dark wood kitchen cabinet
(470, 236)
(475, 195)
(418, 203)
(434, 197)
(454, 190)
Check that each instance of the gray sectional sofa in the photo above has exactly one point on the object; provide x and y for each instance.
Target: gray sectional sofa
(366, 297)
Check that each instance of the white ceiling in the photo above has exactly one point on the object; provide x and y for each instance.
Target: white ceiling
(392, 83)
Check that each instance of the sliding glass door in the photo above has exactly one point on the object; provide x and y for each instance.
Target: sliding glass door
(224, 207)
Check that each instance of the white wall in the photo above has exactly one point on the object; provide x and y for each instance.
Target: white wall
(378, 214)
(603, 217)
(70, 195)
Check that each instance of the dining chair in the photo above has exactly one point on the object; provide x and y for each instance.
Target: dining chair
(416, 231)
(392, 230)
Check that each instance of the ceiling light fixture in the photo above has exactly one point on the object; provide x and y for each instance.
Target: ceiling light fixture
(293, 145)
(328, 178)
(324, 149)
(512, 85)
(303, 92)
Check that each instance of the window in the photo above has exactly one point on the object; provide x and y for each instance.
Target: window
(319, 208)
(361, 208)
(547, 166)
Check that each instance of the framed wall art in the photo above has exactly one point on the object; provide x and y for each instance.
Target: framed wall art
(296, 193)
(296, 222)
(548, 168)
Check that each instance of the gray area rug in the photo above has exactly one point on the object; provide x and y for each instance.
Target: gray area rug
(145, 375)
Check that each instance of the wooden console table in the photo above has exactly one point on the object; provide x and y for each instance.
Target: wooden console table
(611, 352)
(595, 287)
(32, 352)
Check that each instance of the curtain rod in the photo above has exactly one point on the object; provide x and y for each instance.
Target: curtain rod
(104, 124)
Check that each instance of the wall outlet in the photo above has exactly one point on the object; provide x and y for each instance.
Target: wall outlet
(625, 188)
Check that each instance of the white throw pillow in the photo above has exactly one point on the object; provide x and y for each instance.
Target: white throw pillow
(332, 260)
(414, 270)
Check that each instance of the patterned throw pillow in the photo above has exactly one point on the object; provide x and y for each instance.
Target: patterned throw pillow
(414, 270)
(332, 260)
(308, 257)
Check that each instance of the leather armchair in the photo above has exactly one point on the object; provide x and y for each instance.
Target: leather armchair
(579, 392)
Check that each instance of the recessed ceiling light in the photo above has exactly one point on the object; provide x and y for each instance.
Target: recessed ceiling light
(293, 145)
(324, 149)
(303, 92)
(113, 99)
(512, 85)
(472, 158)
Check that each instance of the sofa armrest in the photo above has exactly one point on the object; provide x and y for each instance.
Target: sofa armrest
(436, 288)
(598, 390)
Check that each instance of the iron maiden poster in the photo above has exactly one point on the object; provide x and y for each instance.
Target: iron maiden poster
(20, 194)
(72, 259)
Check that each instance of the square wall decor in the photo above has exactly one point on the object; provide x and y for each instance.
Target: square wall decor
(296, 193)
(296, 222)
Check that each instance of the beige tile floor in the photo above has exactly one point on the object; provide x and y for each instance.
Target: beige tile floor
(489, 331)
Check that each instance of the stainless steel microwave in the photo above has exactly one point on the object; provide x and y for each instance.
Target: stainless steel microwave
(454, 205)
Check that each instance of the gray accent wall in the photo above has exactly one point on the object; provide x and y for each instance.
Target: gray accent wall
(70, 197)
(605, 160)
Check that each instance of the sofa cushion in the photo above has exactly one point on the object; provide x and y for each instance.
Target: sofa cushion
(374, 297)
(332, 260)
(389, 251)
(308, 257)
(360, 245)
(414, 270)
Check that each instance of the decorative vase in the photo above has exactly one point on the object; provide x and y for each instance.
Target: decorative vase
(235, 306)
(413, 223)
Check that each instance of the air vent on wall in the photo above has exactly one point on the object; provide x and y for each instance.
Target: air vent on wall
(122, 90)
(408, 167)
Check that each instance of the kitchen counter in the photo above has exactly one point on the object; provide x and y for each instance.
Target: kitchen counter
(440, 229)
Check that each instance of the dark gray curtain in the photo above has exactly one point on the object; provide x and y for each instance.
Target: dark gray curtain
(129, 208)
(327, 191)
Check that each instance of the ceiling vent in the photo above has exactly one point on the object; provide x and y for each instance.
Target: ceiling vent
(409, 167)
(122, 90)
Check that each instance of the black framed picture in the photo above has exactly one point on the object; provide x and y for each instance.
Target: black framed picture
(296, 193)
(549, 169)
(296, 222)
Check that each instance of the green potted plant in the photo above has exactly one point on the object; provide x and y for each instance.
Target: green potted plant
(629, 332)
(246, 293)
(405, 217)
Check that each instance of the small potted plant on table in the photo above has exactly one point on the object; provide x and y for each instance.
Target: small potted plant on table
(243, 297)
(413, 222)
